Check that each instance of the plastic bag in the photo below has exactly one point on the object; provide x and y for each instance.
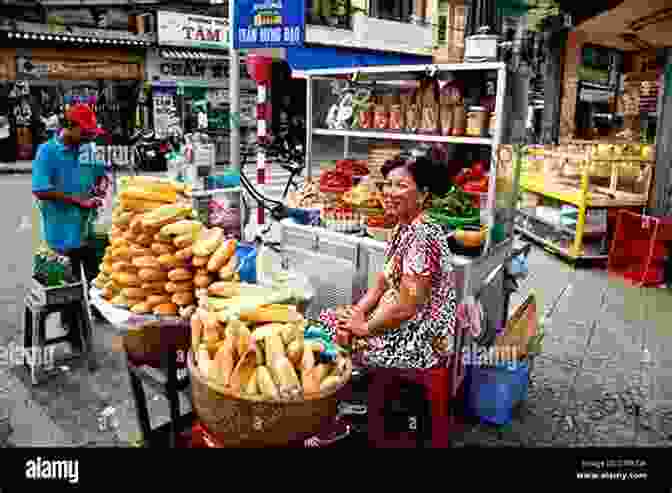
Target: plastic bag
(247, 265)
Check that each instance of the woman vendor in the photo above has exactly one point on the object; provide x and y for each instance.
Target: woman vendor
(407, 319)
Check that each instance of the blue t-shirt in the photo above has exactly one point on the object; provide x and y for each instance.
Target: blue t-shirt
(73, 171)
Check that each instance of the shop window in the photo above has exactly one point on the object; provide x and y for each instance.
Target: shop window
(442, 36)
(394, 10)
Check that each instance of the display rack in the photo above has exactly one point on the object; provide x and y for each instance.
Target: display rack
(573, 196)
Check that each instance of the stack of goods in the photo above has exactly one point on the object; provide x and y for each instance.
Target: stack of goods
(454, 209)
(333, 184)
(474, 181)
(223, 215)
(367, 199)
(378, 154)
(143, 268)
(262, 352)
(307, 197)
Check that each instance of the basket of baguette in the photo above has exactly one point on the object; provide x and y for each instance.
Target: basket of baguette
(258, 380)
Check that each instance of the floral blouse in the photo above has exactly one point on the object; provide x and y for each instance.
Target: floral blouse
(418, 249)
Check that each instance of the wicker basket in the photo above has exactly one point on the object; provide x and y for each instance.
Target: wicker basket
(246, 423)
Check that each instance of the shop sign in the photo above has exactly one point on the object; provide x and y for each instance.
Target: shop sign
(192, 31)
(269, 24)
(82, 70)
(74, 31)
(200, 70)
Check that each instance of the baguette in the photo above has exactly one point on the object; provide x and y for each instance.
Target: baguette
(169, 261)
(184, 298)
(202, 281)
(226, 273)
(145, 240)
(196, 332)
(140, 251)
(161, 249)
(152, 275)
(141, 308)
(155, 287)
(180, 274)
(222, 255)
(224, 363)
(184, 241)
(265, 383)
(179, 287)
(134, 292)
(165, 309)
(184, 254)
(146, 263)
(200, 261)
(155, 300)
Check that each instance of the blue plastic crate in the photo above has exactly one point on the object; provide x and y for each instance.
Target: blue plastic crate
(493, 392)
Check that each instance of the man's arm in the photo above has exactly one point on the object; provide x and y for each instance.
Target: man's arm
(59, 197)
(43, 183)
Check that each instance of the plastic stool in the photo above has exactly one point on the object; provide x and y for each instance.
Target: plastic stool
(431, 398)
(79, 332)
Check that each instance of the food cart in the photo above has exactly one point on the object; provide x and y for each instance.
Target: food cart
(360, 257)
(342, 265)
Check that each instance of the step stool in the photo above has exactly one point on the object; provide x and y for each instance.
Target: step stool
(75, 318)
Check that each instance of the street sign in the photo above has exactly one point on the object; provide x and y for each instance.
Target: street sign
(269, 24)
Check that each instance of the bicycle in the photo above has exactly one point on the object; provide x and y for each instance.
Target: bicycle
(292, 159)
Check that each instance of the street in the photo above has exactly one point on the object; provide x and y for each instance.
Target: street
(584, 389)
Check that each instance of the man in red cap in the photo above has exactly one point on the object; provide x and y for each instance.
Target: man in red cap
(65, 175)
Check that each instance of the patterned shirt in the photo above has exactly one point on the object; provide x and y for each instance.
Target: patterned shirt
(418, 249)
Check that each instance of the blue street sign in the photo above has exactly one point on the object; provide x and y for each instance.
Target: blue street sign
(269, 24)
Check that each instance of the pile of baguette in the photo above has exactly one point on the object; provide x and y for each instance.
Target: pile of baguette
(258, 360)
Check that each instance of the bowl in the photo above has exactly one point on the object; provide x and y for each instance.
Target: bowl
(379, 234)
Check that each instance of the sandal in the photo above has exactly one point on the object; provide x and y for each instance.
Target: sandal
(334, 433)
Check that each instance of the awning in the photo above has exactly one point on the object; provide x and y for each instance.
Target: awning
(193, 55)
(324, 57)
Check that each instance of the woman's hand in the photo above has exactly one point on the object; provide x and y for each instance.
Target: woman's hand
(356, 325)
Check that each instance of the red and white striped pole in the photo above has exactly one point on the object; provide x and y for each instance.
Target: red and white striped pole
(262, 131)
(260, 70)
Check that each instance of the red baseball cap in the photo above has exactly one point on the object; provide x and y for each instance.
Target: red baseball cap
(85, 118)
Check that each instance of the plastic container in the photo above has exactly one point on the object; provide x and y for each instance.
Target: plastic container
(493, 392)
(477, 121)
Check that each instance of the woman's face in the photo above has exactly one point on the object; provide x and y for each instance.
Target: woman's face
(401, 197)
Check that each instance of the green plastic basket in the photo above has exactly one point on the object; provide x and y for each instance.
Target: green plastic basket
(454, 222)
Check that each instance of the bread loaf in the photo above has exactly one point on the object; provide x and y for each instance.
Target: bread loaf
(151, 275)
(180, 274)
(165, 309)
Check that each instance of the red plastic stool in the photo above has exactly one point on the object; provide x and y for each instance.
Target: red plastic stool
(440, 390)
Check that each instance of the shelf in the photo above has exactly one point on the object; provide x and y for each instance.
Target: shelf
(374, 134)
(574, 197)
(553, 248)
(564, 229)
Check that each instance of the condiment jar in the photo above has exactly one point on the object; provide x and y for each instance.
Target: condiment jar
(476, 121)
(397, 117)
(381, 118)
(459, 121)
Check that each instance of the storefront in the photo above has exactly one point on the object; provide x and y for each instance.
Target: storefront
(189, 77)
(42, 78)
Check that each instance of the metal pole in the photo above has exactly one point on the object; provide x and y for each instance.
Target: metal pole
(234, 93)
(309, 126)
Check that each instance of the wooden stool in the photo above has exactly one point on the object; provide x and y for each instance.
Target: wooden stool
(154, 357)
(74, 316)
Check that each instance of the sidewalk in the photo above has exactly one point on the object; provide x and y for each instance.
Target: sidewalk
(584, 389)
